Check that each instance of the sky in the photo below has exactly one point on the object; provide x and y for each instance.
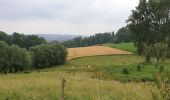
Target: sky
(77, 17)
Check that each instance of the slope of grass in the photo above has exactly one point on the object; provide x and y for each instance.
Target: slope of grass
(112, 66)
(123, 46)
(89, 78)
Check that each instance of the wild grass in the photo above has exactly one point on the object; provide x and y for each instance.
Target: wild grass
(46, 86)
(112, 67)
(84, 80)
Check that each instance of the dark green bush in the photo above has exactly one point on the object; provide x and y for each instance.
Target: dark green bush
(139, 68)
(161, 68)
(13, 58)
(46, 55)
(156, 65)
(125, 71)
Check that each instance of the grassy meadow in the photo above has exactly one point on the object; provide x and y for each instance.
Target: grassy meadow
(83, 81)
(44, 85)
(123, 46)
(111, 77)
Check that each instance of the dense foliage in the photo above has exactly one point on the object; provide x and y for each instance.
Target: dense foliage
(121, 36)
(3, 36)
(149, 24)
(92, 40)
(15, 55)
(23, 41)
(46, 55)
(13, 58)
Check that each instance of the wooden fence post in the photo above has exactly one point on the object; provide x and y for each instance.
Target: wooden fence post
(62, 88)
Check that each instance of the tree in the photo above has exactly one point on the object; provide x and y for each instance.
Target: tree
(25, 41)
(100, 38)
(123, 35)
(32, 40)
(17, 38)
(46, 55)
(139, 24)
(148, 23)
(3, 36)
(13, 58)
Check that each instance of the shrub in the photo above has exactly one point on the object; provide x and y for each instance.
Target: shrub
(125, 71)
(156, 65)
(139, 68)
(46, 55)
(161, 68)
(163, 85)
(13, 58)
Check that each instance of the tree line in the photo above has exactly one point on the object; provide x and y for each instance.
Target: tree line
(149, 25)
(23, 41)
(19, 52)
(122, 35)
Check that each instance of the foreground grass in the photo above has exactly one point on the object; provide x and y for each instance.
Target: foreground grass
(84, 80)
(123, 46)
(46, 86)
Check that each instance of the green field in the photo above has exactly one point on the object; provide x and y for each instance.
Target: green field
(112, 67)
(89, 78)
(123, 46)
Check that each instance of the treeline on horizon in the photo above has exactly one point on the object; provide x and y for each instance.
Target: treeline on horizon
(23, 41)
(122, 36)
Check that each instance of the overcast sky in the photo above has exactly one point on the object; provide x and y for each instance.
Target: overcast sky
(83, 17)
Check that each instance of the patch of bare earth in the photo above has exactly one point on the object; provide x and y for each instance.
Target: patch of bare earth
(93, 51)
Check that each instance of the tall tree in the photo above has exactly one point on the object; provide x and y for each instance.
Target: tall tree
(149, 24)
(123, 35)
(3, 36)
(139, 24)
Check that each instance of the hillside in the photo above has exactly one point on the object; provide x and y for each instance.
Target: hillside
(82, 82)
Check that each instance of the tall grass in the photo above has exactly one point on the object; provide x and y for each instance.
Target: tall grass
(46, 86)
(80, 81)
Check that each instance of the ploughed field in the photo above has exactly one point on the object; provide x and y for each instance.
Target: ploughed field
(93, 51)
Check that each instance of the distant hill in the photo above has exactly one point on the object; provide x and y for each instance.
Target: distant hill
(57, 37)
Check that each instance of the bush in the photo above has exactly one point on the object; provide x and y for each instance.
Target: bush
(125, 71)
(139, 68)
(161, 68)
(46, 55)
(13, 58)
(163, 85)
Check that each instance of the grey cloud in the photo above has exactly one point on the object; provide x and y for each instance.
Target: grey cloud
(70, 12)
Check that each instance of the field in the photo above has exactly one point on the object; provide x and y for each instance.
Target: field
(87, 78)
(93, 51)
(83, 82)
(80, 86)
(123, 46)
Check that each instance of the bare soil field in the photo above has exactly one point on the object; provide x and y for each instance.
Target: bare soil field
(93, 51)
